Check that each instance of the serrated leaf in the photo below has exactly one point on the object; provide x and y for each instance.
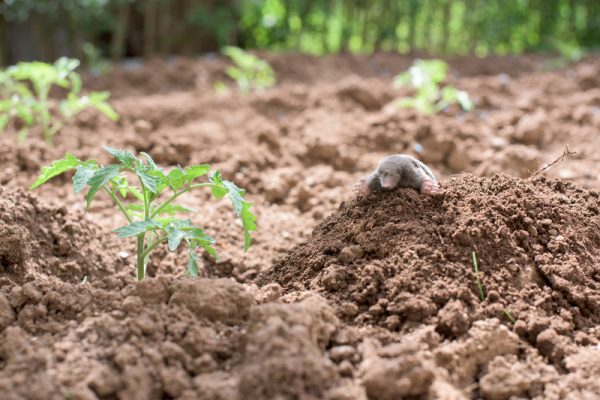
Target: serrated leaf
(217, 190)
(195, 171)
(149, 181)
(99, 179)
(56, 168)
(199, 237)
(150, 162)
(124, 156)
(176, 208)
(82, 176)
(176, 178)
(242, 209)
(248, 224)
(176, 231)
(136, 228)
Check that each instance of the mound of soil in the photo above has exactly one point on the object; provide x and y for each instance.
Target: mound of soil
(404, 262)
(39, 240)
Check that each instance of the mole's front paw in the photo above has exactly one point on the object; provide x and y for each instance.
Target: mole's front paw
(362, 187)
(429, 187)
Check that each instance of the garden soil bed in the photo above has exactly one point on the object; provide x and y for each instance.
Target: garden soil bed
(341, 296)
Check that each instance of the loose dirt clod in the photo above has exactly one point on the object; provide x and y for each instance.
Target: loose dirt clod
(38, 241)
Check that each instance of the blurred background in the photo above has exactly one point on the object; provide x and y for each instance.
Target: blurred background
(116, 29)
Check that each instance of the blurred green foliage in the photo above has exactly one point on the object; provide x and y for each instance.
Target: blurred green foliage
(25, 96)
(248, 71)
(159, 27)
(426, 78)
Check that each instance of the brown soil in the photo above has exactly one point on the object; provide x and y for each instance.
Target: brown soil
(380, 301)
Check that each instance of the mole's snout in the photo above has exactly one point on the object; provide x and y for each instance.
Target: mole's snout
(387, 182)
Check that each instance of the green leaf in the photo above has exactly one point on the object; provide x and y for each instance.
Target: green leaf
(194, 171)
(242, 210)
(176, 178)
(136, 228)
(149, 181)
(176, 208)
(124, 156)
(176, 231)
(218, 190)
(99, 179)
(192, 264)
(98, 101)
(199, 237)
(248, 224)
(58, 167)
(82, 176)
(151, 164)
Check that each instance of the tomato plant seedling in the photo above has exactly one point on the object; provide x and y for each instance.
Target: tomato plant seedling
(426, 76)
(249, 71)
(25, 90)
(152, 219)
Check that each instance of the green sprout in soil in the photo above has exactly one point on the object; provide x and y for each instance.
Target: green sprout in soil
(25, 90)
(249, 71)
(509, 316)
(426, 77)
(476, 269)
(152, 219)
(93, 59)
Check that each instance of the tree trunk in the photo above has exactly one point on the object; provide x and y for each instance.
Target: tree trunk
(117, 46)
(164, 26)
(412, 24)
(150, 16)
(3, 44)
(446, 25)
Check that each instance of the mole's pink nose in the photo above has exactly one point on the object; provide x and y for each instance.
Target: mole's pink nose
(386, 183)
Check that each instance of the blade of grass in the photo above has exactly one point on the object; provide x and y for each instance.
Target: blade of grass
(476, 269)
(509, 316)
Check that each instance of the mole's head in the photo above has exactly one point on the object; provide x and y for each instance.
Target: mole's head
(389, 174)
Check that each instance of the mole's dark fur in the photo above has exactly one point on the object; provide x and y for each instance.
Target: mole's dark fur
(399, 170)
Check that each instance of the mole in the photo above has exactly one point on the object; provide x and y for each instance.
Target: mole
(399, 170)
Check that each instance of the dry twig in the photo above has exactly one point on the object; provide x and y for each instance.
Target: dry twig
(565, 153)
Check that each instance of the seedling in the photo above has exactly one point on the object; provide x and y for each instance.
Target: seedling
(152, 219)
(93, 59)
(25, 88)
(426, 77)
(509, 316)
(476, 269)
(249, 71)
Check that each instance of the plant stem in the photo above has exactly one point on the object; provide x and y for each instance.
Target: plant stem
(141, 270)
(141, 267)
(476, 268)
(154, 245)
(119, 204)
(176, 195)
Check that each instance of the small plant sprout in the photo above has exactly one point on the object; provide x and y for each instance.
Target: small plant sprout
(426, 77)
(249, 71)
(509, 316)
(25, 90)
(149, 204)
(476, 269)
